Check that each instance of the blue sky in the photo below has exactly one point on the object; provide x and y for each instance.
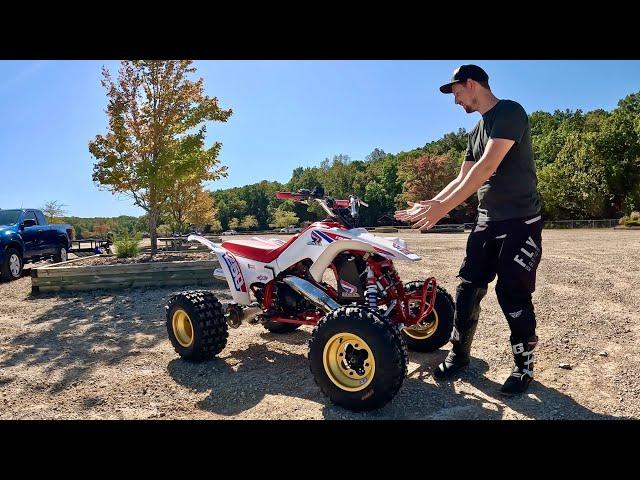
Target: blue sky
(286, 114)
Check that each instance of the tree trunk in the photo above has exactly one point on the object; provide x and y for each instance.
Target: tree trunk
(153, 231)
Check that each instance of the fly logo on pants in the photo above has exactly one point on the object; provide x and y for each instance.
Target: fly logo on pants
(528, 258)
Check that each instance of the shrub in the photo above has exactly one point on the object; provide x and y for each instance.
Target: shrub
(127, 246)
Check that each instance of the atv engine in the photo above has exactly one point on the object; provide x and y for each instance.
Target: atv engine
(289, 301)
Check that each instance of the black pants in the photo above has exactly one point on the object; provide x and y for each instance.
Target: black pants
(510, 250)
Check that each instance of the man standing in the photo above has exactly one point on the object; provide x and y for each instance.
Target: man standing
(506, 240)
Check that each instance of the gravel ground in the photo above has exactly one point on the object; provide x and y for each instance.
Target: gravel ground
(105, 355)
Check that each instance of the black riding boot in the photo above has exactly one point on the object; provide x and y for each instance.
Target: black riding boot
(458, 356)
(468, 297)
(522, 373)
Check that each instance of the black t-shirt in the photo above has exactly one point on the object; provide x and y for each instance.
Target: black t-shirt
(511, 192)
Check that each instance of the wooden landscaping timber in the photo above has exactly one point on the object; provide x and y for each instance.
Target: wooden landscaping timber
(63, 277)
(186, 265)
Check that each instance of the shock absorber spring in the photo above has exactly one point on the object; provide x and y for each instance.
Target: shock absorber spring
(372, 289)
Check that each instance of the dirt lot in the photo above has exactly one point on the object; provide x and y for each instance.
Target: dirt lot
(106, 355)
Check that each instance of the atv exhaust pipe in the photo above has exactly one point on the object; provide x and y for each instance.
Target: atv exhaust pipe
(312, 293)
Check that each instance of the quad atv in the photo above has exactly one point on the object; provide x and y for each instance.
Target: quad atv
(364, 317)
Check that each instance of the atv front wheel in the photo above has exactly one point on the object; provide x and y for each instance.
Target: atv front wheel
(357, 359)
(196, 325)
(434, 331)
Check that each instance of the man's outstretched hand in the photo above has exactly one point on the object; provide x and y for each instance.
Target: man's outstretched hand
(409, 214)
(423, 214)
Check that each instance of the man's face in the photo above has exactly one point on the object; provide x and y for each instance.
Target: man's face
(465, 95)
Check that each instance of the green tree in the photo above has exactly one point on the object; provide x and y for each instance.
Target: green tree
(376, 155)
(453, 141)
(574, 186)
(249, 222)
(283, 218)
(53, 211)
(201, 212)
(619, 146)
(309, 178)
(188, 203)
(157, 124)
(425, 176)
(229, 205)
(216, 226)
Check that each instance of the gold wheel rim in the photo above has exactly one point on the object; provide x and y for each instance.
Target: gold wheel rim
(182, 328)
(425, 328)
(349, 362)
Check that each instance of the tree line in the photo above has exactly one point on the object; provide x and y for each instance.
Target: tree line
(588, 164)
(588, 167)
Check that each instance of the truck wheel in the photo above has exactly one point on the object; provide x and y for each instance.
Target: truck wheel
(196, 325)
(11, 268)
(434, 331)
(357, 359)
(61, 255)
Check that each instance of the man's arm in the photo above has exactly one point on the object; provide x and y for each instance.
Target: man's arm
(479, 173)
(464, 170)
(419, 207)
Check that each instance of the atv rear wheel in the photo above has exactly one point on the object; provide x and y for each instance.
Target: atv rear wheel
(196, 325)
(357, 359)
(434, 331)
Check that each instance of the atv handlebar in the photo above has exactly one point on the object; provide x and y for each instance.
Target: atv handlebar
(342, 209)
(304, 194)
(296, 197)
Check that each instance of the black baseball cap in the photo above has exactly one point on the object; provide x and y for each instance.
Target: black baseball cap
(463, 73)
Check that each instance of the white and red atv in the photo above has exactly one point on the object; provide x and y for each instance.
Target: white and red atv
(363, 322)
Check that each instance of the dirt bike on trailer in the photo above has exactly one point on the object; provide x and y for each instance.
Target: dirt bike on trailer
(363, 325)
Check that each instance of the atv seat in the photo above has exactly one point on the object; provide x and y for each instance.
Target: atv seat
(260, 251)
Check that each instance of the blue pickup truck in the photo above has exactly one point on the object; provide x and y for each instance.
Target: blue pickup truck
(25, 236)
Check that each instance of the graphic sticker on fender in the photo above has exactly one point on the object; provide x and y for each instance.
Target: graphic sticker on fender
(348, 290)
(236, 273)
(315, 238)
